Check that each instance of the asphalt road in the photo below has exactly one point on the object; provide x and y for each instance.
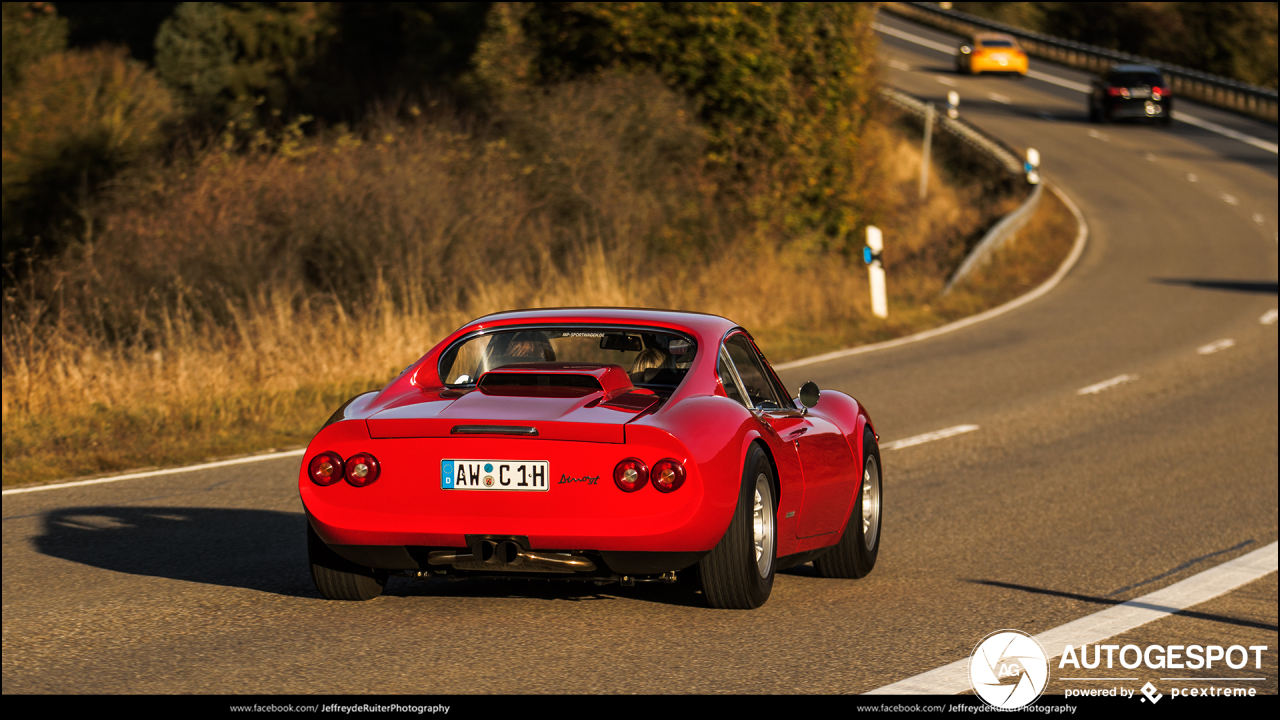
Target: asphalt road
(1058, 505)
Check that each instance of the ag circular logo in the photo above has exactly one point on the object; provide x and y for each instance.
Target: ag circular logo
(1008, 669)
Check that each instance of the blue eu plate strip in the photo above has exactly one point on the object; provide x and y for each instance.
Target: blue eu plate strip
(446, 474)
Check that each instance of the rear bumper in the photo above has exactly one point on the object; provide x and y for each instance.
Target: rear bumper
(582, 510)
(1138, 108)
(1014, 65)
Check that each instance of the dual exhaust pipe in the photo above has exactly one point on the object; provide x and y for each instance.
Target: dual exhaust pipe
(509, 556)
(506, 552)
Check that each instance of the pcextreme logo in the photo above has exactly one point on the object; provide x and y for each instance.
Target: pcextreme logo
(1008, 669)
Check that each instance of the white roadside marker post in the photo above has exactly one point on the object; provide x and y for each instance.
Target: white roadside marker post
(875, 271)
(1032, 166)
(924, 155)
(953, 104)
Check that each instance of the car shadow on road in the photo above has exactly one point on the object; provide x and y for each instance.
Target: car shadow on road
(685, 592)
(1259, 287)
(1114, 601)
(265, 550)
(262, 550)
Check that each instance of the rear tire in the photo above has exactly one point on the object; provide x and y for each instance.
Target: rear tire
(336, 577)
(855, 555)
(738, 572)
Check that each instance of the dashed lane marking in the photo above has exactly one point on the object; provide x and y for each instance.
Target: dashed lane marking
(1216, 346)
(913, 38)
(899, 65)
(1192, 177)
(1230, 199)
(1002, 99)
(1099, 135)
(1105, 384)
(1060, 82)
(929, 437)
(946, 81)
(1269, 317)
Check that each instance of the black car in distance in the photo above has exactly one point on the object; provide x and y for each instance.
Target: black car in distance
(1131, 91)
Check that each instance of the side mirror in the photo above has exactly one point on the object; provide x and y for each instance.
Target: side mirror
(809, 394)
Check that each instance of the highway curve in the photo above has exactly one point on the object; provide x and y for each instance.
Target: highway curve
(1060, 504)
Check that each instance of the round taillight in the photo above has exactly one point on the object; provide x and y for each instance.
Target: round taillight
(631, 474)
(362, 469)
(325, 468)
(667, 474)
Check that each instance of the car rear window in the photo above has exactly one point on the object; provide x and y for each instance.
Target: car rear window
(1135, 79)
(996, 43)
(652, 358)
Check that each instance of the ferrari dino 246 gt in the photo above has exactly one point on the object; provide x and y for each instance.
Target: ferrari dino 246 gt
(594, 444)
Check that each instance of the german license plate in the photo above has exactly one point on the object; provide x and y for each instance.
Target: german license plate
(1139, 92)
(527, 475)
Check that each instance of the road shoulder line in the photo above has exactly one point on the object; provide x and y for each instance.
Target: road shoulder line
(153, 473)
(1091, 629)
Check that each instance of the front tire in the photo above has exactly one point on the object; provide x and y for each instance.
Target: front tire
(738, 572)
(336, 577)
(855, 555)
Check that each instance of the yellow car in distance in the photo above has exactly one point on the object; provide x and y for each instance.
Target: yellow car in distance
(991, 52)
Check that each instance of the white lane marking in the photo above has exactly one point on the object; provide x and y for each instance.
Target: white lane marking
(1151, 157)
(1230, 199)
(1269, 317)
(1179, 115)
(1077, 249)
(946, 81)
(1215, 346)
(1214, 127)
(1257, 217)
(1192, 177)
(899, 65)
(1060, 82)
(929, 437)
(1099, 387)
(953, 679)
(1003, 99)
(1099, 135)
(153, 473)
(909, 37)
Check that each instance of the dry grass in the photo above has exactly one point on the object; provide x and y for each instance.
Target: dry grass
(234, 302)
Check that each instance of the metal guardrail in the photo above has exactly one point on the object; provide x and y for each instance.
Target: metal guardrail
(996, 237)
(1002, 154)
(1253, 100)
(1010, 224)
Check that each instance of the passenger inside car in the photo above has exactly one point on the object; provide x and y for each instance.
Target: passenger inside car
(648, 365)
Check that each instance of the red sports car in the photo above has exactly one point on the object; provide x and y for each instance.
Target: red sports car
(593, 444)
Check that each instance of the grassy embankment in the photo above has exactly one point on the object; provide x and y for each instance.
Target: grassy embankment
(212, 263)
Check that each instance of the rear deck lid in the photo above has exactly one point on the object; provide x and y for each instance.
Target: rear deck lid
(549, 401)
